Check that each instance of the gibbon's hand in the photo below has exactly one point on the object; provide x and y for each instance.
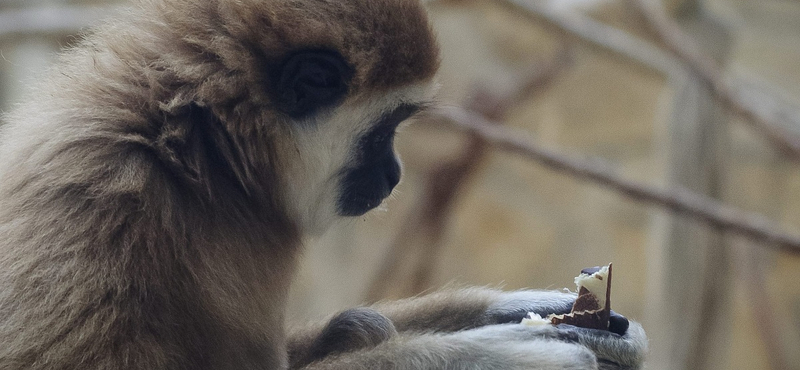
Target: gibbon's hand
(466, 329)
(565, 346)
(498, 347)
(512, 307)
(613, 351)
(559, 346)
(623, 346)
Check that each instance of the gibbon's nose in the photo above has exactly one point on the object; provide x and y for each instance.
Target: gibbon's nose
(366, 186)
(393, 174)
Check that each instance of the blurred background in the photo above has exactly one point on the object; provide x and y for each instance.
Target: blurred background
(697, 95)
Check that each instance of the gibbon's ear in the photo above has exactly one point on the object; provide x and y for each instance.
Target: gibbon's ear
(310, 80)
(208, 151)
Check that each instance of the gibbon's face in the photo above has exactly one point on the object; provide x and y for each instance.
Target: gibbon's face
(343, 162)
(329, 82)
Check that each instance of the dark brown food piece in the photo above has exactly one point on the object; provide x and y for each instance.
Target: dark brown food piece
(586, 311)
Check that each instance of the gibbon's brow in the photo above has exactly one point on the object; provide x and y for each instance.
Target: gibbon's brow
(423, 106)
(403, 112)
(398, 114)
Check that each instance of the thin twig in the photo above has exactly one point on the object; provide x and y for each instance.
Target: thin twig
(708, 210)
(442, 188)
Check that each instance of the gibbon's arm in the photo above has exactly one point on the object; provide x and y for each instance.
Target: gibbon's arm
(450, 318)
(453, 310)
(444, 311)
(506, 346)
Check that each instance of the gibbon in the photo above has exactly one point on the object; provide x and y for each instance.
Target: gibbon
(156, 185)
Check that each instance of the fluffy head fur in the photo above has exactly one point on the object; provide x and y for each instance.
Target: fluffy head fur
(153, 190)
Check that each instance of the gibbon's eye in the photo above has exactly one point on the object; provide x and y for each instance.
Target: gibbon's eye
(311, 80)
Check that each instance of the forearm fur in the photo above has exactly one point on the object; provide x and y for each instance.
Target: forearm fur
(463, 351)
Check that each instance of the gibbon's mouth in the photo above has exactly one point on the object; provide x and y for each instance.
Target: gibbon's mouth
(367, 186)
(377, 170)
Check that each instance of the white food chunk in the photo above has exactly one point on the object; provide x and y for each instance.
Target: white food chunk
(596, 283)
(534, 319)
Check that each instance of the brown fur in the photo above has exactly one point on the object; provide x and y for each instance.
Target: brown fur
(137, 232)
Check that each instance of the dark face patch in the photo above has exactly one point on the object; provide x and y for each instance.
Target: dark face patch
(377, 170)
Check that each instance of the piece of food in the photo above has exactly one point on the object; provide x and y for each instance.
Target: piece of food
(591, 309)
(534, 319)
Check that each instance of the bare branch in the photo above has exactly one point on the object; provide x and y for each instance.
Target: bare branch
(708, 210)
(765, 120)
(598, 35)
